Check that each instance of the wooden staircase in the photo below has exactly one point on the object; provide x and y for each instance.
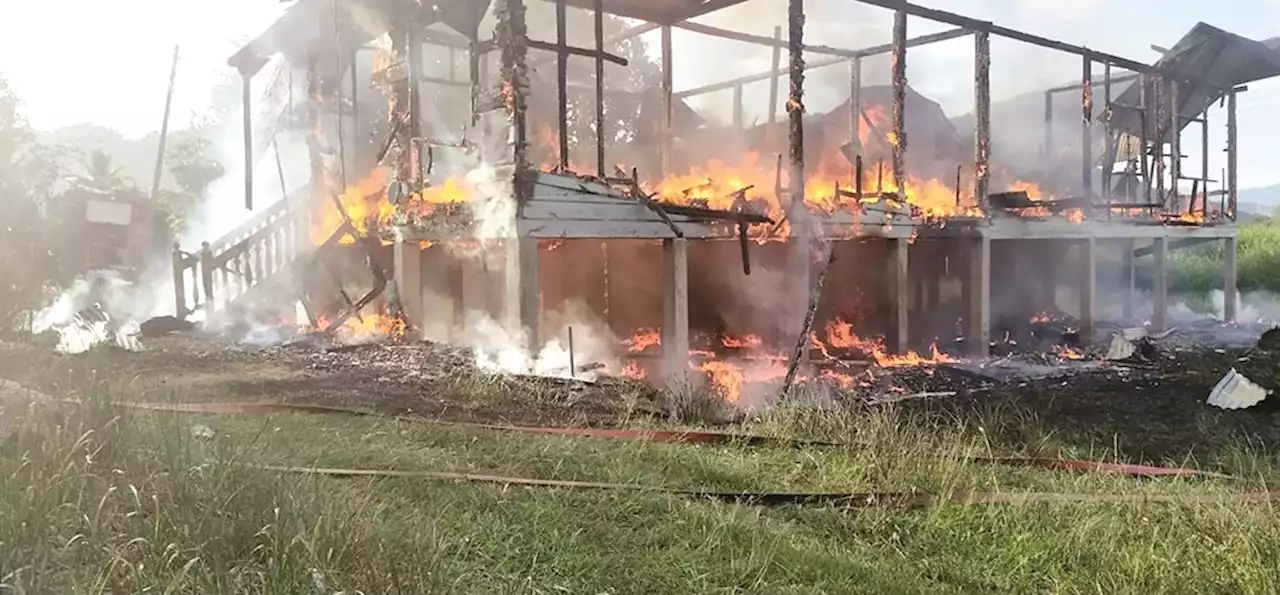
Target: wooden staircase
(263, 252)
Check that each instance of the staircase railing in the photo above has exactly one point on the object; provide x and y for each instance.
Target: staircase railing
(230, 267)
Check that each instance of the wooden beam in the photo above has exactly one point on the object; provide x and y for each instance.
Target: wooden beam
(957, 20)
(1086, 127)
(864, 53)
(898, 138)
(774, 73)
(773, 42)
(562, 83)
(699, 9)
(666, 126)
(600, 54)
(577, 51)
(982, 118)
(1232, 154)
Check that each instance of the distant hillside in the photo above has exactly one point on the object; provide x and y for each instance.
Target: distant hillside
(1264, 199)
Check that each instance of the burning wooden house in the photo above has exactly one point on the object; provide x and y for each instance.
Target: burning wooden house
(534, 157)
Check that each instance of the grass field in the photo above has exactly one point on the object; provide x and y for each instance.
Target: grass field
(1198, 269)
(99, 499)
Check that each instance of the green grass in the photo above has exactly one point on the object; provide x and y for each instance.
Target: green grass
(96, 499)
(1198, 269)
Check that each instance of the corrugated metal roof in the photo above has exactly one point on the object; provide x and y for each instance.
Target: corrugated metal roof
(1206, 53)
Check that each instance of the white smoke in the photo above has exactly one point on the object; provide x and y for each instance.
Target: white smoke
(499, 350)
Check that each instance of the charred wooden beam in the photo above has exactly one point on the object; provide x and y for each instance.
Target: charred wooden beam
(795, 101)
(855, 109)
(774, 73)
(957, 20)
(1109, 153)
(1086, 126)
(1115, 79)
(898, 137)
(600, 54)
(512, 35)
(1047, 151)
(1232, 150)
(864, 53)
(982, 120)
(1175, 148)
(698, 9)
(773, 42)
(668, 110)
(577, 51)
(562, 83)
(1144, 139)
(1204, 161)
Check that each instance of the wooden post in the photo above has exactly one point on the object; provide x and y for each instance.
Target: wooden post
(1232, 150)
(666, 132)
(900, 297)
(562, 83)
(1157, 104)
(247, 122)
(675, 309)
(179, 261)
(1160, 290)
(1047, 151)
(795, 103)
(1204, 163)
(600, 131)
(1175, 147)
(982, 121)
(855, 108)
(1086, 127)
(898, 138)
(1144, 139)
(1127, 266)
(737, 107)
(979, 281)
(774, 75)
(511, 34)
(1230, 289)
(1088, 288)
(1109, 159)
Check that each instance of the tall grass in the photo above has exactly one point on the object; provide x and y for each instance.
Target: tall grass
(92, 500)
(1198, 269)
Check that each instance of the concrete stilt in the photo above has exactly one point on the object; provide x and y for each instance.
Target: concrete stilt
(1048, 295)
(979, 305)
(675, 309)
(1088, 288)
(1230, 290)
(522, 305)
(407, 274)
(1127, 273)
(1160, 282)
(436, 319)
(897, 337)
(474, 292)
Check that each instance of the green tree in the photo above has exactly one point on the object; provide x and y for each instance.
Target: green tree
(28, 176)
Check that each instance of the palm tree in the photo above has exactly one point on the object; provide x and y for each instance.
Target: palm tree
(101, 173)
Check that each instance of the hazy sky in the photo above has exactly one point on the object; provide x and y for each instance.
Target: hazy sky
(74, 61)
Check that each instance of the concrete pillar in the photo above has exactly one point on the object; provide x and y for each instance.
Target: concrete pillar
(1160, 284)
(675, 309)
(522, 307)
(1127, 274)
(1230, 291)
(1088, 288)
(473, 291)
(436, 320)
(897, 337)
(979, 305)
(407, 274)
(1048, 256)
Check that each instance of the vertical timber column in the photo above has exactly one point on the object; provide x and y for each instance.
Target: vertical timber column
(1175, 148)
(246, 92)
(898, 336)
(1232, 154)
(979, 281)
(982, 121)
(521, 290)
(512, 36)
(1126, 264)
(1230, 291)
(675, 309)
(771, 137)
(1160, 288)
(855, 109)
(407, 272)
(1086, 126)
(803, 223)
(1088, 288)
(668, 111)
(898, 138)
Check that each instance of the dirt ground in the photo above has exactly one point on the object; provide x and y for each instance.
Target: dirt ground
(1151, 410)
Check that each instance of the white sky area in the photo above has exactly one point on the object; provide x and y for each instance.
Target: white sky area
(106, 63)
